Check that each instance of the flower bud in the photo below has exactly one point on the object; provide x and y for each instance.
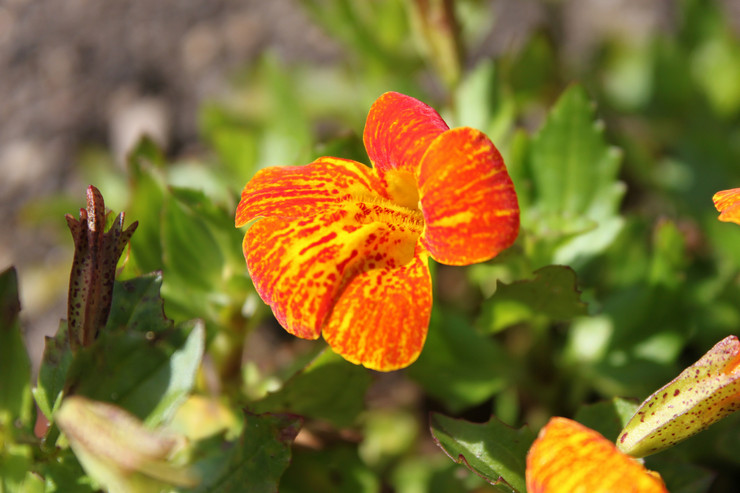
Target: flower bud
(118, 451)
(702, 394)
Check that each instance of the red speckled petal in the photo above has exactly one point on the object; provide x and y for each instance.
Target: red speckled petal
(299, 266)
(727, 203)
(294, 191)
(568, 457)
(467, 198)
(398, 131)
(382, 316)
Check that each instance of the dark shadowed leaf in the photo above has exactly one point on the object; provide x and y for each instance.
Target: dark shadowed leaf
(459, 366)
(255, 462)
(328, 388)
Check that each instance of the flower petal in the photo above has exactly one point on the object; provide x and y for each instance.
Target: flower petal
(299, 266)
(294, 191)
(381, 319)
(727, 203)
(568, 457)
(467, 197)
(398, 131)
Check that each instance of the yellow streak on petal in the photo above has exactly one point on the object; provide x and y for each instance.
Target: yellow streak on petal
(299, 266)
(568, 457)
(727, 203)
(468, 200)
(296, 191)
(381, 318)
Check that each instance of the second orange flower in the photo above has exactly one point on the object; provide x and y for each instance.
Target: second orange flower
(342, 249)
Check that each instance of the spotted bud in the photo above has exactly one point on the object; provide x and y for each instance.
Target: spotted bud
(702, 394)
(118, 451)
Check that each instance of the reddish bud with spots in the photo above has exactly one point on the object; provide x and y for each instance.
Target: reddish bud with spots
(93, 268)
(701, 395)
(341, 249)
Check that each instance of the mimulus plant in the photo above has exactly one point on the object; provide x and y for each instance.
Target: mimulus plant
(341, 249)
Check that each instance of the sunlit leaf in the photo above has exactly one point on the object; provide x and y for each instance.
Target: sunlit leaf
(573, 173)
(15, 366)
(552, 295)
(493, 450)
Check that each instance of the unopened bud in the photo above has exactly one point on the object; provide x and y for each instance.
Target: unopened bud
(702, 394)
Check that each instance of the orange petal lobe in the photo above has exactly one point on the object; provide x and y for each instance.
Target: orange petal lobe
(467, 197)
(294, 191)
(300, 265)
(381, 318)
(568, 457)
(398, 131)
(727, 203)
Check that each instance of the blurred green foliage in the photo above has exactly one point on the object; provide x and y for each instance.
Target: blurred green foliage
(621, 276)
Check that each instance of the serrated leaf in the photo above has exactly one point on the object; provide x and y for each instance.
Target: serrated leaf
(255, 462)
(493, 450)
(327, 388)
(15, 365)
(553, 294)
(576, 194)
(460, 366)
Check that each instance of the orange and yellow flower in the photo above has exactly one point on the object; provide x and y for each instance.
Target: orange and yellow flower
(341, 249)
(727, 203)
(568, 457)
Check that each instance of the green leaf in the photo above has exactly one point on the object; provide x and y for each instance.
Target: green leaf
(255, 462)
(147, 374)
(64, 474)
(55, 364)
(15, 365)
(189, 250)
(682, 477)
(493, 450)
(552, 294)
(146, 204)
(140, 361)
(137, 306)
(573, 173)
(338, 469)
(15, 470)
(459, 366)
(607, 417)
(328, 388)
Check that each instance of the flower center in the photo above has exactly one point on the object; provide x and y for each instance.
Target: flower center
(402, 188)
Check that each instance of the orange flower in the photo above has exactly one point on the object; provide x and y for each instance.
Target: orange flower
(342, 249)
(727, 203)
(568, 457)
